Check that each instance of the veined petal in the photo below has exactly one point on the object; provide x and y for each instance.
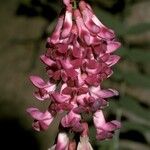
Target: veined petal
(71, 73)
(72, 121)
(41, 95)
(77, 53)
(96, 92)
(47, 60)
(66, 2)
(112, 46)
(60, 98)
(41, 119)
(56, 33)
(38, 82)
(67, 25)
(66, 64)
(62, 48)
(111, 126)
(104, 129)
(87, 18)
(99, 119)
(62, 142)
(83, 32)
(84, 144)
(112, 60)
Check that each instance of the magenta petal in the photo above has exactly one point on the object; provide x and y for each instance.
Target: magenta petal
(112, 60)
(66, 2)
(112, 46)
(106, 33)
(41, 120)
(96, 92)
(62, 48)
(60, 98)
(84, 34)
(47, 60)
(99, 119)
(71, 73)
(79, 109)
(67, 91)
(56, 75)
(62, 142)
(67, 25)
(92, 80)
(56, 33)
(38, 82)
(76, 52)
(76, 63)
(72, 120)
(82, 90)
(38, 115)
(108, 93)
(66, 64)
(111, 126)
(41, 96)
(104, 135)
(87, 18)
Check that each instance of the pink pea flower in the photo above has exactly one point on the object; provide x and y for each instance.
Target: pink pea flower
(44, 89)
(104, 129)
(79, 57)
(42, 120)
(72, 121)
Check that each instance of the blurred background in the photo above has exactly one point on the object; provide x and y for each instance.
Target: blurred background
(24, 26)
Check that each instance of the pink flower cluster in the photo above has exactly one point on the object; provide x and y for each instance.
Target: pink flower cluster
(78, 58)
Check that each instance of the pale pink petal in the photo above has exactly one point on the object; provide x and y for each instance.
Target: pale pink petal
(99, 120)
(104, 135)
(56, 33)
(83, 32)
(87, 18)
(112, 46)
(84, 144)
(47, 60)
(62, 142)
(66, 2)
(96, 92)
(41, 119)
(38, 82)
(67, 25)
(72, 121)
(66, 64)
(60, 98)
(111, 126)
(41, 95)
(112, 60)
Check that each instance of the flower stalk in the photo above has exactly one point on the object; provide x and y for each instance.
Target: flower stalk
(74, 4)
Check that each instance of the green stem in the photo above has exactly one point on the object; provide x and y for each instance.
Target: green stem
(116, 137)
(74, 4)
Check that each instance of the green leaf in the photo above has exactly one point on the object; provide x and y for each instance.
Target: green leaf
(129, 104)
(138, 28)
(135, 55)
(134, 126)
(131, 78)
